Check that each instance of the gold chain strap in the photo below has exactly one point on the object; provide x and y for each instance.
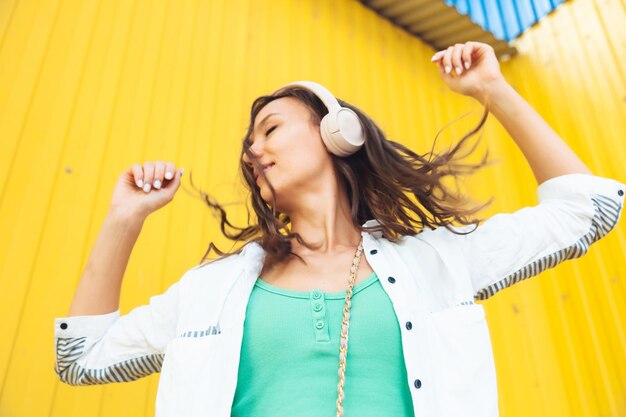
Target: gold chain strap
(343, 347)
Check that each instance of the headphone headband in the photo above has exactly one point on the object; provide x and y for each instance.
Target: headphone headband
(326, 96)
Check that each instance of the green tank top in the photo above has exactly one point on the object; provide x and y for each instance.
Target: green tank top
(290, 354)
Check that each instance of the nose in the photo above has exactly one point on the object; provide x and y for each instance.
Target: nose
(255, 153)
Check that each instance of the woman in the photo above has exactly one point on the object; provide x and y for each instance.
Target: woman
(339, 249)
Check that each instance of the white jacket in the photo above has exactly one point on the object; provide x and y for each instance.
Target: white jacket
(192, 332)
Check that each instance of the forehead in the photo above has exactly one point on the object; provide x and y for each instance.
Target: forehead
(287, 106)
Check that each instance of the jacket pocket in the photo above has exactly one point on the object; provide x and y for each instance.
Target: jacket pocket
(188, 360)
(198, 373)
(465, 382)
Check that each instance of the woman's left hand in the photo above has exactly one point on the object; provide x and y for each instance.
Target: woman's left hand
(469, 68)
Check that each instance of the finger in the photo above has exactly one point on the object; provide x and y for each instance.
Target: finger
(466, 55)
(148, 176)
(137, 174)
(170, 170)
(447, 60)
(437, 56)
(456, 58)
(159, 173)
(442, 70)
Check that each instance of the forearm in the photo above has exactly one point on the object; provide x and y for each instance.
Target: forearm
(98, 291)
(547, 154)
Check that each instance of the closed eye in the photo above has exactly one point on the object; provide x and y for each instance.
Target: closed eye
(270, 130)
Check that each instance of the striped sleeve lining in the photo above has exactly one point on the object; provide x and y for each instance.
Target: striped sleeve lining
(604, 220)
(211, 330)
(68, 350)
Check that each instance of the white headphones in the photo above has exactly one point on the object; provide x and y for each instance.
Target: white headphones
(340, 128)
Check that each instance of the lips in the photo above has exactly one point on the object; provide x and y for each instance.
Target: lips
(265, 167)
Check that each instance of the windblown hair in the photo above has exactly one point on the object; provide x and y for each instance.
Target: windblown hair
(384, 180)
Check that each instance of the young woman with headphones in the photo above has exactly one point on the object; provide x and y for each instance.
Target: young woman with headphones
(353, 293)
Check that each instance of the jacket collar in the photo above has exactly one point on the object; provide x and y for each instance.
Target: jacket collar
(372, 223)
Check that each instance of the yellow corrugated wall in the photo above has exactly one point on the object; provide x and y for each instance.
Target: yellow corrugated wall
(89, 87)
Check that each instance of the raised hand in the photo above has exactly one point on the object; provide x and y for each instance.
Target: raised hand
(143, 189)
(469, 68)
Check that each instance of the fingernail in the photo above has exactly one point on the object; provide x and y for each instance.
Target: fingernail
(467, 65)
(146, 187)
(459, 70)
(157, 184)
(434, 57)
(168, 175)
(140, 183)
(448, 69)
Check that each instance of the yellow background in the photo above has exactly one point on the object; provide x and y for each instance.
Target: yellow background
(89, 87)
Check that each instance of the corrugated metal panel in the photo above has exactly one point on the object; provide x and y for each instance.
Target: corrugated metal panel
(438, 23)
(506, 19)
(570, 68)
(86, 88)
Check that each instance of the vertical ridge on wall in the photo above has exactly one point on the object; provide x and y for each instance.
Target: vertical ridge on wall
(88, 88)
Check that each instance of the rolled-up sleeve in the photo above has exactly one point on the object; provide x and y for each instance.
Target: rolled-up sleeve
(574, 211)
(107, 348)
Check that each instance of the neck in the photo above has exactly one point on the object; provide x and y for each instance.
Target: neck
(323, 218)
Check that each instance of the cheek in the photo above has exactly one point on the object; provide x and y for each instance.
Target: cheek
(311, 155)
(300, 169)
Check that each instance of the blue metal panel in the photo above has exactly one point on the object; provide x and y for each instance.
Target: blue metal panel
(479, 15)
(505, 19)
(526, 13)
(496, 24)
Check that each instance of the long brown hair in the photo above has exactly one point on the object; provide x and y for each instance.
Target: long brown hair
(384, 180)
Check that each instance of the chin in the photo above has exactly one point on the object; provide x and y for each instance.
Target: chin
(266, 195)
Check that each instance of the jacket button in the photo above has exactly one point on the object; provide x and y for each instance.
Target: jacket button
(620, 193)
(417, 383)
(409, 325)
(64, 326)
(373, 252)
(391, 279)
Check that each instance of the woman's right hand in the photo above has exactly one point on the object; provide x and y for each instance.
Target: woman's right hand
(143, 189)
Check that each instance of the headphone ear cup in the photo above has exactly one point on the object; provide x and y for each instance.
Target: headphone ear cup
(342, 132)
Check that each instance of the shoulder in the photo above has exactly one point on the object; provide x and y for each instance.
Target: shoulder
(428, 235)
(439, 242)
(434, 235)
(218, 271)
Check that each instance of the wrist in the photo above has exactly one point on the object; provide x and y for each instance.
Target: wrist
(491, 90)
(126, 215)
